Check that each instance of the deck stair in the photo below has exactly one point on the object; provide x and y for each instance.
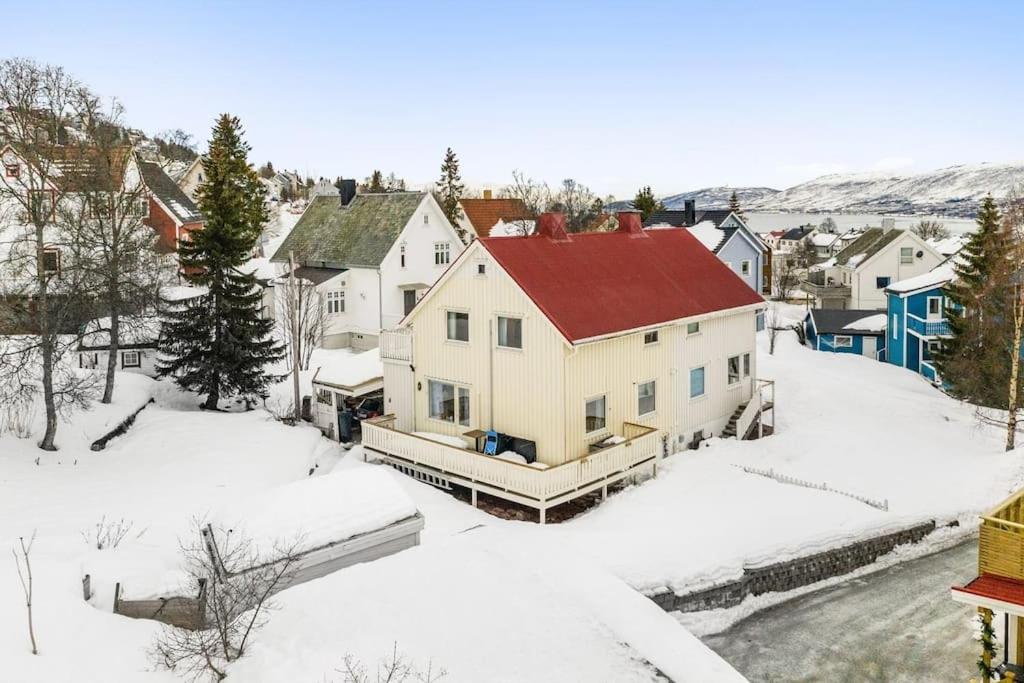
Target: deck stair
(730, 428)
(749, 421)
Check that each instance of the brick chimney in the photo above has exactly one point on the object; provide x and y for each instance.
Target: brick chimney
(629, 221)
(552, 226)
(488, 195)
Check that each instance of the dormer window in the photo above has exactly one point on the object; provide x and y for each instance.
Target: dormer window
(12, 170)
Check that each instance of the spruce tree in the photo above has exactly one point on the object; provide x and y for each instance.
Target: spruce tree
(217, 344)
(376, 182)
(646, 203)
(971, 361)
(449, 191)
(734, 206)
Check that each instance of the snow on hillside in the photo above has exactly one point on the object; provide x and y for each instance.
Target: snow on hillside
(718, 197)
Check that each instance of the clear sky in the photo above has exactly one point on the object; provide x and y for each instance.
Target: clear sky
(615, 94)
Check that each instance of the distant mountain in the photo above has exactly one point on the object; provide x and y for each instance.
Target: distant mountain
(952, 191)
(718, 197)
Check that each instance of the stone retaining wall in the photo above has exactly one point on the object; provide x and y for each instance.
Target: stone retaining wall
(786, 576)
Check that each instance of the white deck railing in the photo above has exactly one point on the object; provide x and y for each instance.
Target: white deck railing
(642, 444)
(762, 398)
(396, 344)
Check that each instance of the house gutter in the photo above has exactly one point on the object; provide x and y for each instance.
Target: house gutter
(763, 305)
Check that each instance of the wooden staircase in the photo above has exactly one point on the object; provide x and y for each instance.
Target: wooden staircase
(730, 428)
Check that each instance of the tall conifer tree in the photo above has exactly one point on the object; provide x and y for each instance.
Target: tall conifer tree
(449, 190)
(734, 206)
(217, 344)
(646, 203)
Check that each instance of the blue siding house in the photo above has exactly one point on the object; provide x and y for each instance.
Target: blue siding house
(846, 331)
(917, 320)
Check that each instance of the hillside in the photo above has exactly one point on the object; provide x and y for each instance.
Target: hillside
(718, 197)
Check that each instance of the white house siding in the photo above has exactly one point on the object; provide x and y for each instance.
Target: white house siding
(359, 324)
(864, 293)
(97, 360)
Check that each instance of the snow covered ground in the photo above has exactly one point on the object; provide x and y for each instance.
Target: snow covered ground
(480, 594)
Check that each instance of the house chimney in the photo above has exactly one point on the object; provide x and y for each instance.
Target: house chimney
(348, 191)
(629, 221)
(488, 195)
(552, 226)
(888, 224)
(690, 211)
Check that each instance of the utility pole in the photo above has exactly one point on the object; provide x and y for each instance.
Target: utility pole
(296, 331)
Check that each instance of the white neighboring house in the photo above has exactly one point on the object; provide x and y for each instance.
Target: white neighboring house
(136, 349)
(372, 259)
(192, 177)
(856, 277)
(324, 188)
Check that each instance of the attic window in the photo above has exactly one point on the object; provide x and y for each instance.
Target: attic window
(401, 255)
(481, 269)
(426, 219)
(906, 254)
(651, 337)
(12, 170)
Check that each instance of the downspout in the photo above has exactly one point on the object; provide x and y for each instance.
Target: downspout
(490, 371)
(380, 305)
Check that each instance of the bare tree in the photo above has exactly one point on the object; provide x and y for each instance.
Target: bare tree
(771, 321)
(578, 203)
(301, 318)
(785, 275)
(45, 295)
(23, 561)
(928, 229)
(392, 669)
(240, 580)
(535, 195)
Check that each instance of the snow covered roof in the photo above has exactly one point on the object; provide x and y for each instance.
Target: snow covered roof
(512, 228)
(262, 268)
(319, 511)
(823, 239)
(166, 191)
(354, 373)
(949, 245)
(181, 292)
(708, 234)
(849, 321)
(936, 277)
(133, 331)
(871, 323)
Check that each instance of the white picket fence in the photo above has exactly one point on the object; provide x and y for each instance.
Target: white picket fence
(793, 481)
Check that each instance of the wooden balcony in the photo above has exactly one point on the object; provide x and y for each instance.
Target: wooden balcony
(928, 328)
(821, 286)
(396, 345)
(1001, 541)
(537, 487)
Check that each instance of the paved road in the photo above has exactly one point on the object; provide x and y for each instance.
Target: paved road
(896, 625)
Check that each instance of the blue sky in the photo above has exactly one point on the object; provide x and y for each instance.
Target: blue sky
(616, 95)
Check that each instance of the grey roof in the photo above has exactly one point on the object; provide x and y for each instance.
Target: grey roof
(870, 243)
(834, 321)
(170, 195)
(357, 235)
(317, 276)
(796, 233)
(677, 217)
(716, 216)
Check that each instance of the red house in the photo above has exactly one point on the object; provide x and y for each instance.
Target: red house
(171, 212)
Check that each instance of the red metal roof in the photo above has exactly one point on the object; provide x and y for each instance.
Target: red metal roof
(599, 283)
(995, 588)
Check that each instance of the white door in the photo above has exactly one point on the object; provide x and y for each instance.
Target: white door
(870, 344)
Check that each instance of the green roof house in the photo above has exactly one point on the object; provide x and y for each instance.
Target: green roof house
(371, 259)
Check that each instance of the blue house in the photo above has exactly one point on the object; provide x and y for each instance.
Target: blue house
(846, 331)
(917, 320)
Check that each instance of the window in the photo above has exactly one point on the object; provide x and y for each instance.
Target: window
(130, 359)
(464, 406)
(693, 328)
(746, 365)
(426, 219)
(401, 255)
(138, 208)
(651, 337)
(646, 394)
(733, 366)
(510, 332)
(843, 341)
(934, 306)
(458, 326)
(51, 260)
(895, 323)
(596, 419)
(906, 254)
(442, 400)
(745, 267)
(481, 269)
(442, 253)
(323, 396)
(882, 282)
(12, 170)
(934, 346)
(696, 382)
(336, 301)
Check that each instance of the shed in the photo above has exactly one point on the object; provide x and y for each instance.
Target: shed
(860, 332)
(343, 375)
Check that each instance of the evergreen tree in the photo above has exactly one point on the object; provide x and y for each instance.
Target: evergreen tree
(376, 182)
(217, 344)
(449, 191)
(734, 206)
(971, 361)
(645, 203)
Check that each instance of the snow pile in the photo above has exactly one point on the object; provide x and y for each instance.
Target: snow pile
(511, 456)
(707, 234)
(260, 268)
(872, 323)
(512, 228)
(949, 245)
(344, 368)
(318, 511)
(454, 441)
(855, 260)
(936, 277)
(181, 292)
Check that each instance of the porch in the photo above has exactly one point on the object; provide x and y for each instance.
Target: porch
(534, 485)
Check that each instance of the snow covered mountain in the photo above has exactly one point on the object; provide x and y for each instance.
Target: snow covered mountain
(718, 197)
(953, 191)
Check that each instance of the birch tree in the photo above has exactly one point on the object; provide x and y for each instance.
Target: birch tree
(1014, 282)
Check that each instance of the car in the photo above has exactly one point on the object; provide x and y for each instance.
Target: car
(371, 406)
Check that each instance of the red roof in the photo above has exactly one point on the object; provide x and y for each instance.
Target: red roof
(995, 587)
(594, 284)
(485, 213)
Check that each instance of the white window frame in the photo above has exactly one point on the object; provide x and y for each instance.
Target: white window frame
(125, 355)
(497, 332)
(426, 219)
(324, 397)
(837, 345)
(651, 337)
(729, 382)
(604, 426)
(691, 330)
(746, 365)
(455, 401)
(401, 255)
(447, 327)
(336, 301)
(938, 308)
(895, 326)
(704, 388)
(905, 260)
(653, 396)
(442, 253)
(745, 267)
